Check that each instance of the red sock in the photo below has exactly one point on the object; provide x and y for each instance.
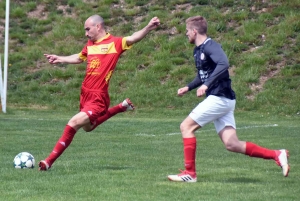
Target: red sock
(189, 149)
(254, 150)
(110, 112)
(64, 141)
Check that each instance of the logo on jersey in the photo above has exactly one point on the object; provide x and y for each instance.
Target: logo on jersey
(202, 56)
(104, 48)
(95, 63)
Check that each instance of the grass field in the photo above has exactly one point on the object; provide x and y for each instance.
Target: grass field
(129, 157)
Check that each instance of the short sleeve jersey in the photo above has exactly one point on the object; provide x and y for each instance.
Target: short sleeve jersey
(101, 57)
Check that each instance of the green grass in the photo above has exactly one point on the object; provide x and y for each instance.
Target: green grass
(129, 157)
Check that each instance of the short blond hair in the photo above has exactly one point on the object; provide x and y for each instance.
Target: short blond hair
(197, 22)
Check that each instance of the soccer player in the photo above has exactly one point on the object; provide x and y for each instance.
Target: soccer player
(101, 53)
(218, 107)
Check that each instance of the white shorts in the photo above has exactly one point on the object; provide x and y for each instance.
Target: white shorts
(220, 110)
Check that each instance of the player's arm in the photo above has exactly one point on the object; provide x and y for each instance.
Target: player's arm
(219, 57)
(72, 59)
(192, 85)
(139, 35)
(195, 83)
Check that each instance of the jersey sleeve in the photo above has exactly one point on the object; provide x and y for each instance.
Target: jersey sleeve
(195, 83)
(83, 54)
(218, 56)
(124, 44)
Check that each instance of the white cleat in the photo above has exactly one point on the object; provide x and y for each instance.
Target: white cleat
(282, 161)
(127, 104)
(184, 176)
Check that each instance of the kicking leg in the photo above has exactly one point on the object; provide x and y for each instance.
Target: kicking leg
(232, 143)
(126, 105)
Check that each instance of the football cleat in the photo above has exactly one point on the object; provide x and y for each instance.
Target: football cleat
(184, 176)
(282, 161)
(43, 166)
(127, 105)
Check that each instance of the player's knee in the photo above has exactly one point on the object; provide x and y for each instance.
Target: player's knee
(183, 128)
(232, 146)
(186, 130)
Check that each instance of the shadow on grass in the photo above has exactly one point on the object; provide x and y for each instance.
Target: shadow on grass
(108, 167)
(242, 180)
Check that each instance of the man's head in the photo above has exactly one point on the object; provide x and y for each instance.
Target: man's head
(94, 27)
(195, 25)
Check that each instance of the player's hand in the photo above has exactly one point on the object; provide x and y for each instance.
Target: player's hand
(52, 59)
(154, 23)
(201, 90)
(182, 91)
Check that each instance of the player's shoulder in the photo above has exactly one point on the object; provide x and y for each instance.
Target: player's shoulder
(212, 45)
(211, 42)
(113, 37)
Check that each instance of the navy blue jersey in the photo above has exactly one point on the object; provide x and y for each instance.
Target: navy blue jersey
(212, 70)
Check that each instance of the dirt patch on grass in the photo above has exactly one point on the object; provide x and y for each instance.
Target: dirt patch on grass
(183, 7)
(258, 87)
(39, 13)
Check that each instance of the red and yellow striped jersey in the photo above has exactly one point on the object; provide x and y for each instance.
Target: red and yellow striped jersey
(101, 57)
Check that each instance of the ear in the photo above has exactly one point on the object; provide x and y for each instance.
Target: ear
(195, 31)
(98, 26)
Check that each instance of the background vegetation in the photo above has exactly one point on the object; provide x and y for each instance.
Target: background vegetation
(261, 39)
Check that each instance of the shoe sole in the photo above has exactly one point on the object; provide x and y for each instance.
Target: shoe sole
(287, 173)
(288, 168)
(188, 181)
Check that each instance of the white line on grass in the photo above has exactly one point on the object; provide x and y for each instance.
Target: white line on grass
(241, 128)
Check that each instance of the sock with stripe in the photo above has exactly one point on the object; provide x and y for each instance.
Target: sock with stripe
(64, 141)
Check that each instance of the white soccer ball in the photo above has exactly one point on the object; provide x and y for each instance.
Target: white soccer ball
(24, 160)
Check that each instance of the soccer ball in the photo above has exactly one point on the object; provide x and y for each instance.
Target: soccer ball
(24, 160)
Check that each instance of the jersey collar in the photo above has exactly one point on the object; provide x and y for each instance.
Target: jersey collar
(103, 38)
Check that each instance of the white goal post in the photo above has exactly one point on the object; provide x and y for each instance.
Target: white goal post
(3, 82)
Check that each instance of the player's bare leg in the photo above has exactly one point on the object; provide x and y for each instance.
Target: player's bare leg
(232, 143)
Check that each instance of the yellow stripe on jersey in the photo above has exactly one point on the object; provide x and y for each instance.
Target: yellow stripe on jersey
(102, 49)
(82, 57)
(124, 44)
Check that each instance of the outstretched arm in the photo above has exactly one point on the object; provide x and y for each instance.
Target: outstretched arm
(139, 35)
(72, 59)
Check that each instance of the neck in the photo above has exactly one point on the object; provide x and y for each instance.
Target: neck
(101, 35)
(200, 39)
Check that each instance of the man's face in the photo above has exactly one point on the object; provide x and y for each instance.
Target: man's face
(191, 34)
(91, 30)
